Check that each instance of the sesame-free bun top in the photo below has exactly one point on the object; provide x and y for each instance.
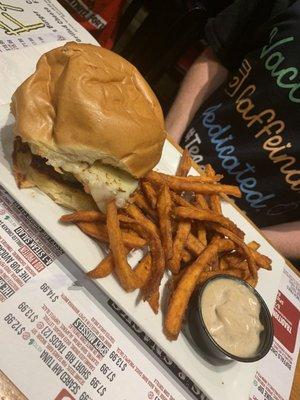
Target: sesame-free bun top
(85, 103)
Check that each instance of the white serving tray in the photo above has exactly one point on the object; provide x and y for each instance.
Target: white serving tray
(229, 382)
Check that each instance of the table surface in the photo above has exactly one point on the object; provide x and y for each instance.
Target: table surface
(9, 392)
(295, 393)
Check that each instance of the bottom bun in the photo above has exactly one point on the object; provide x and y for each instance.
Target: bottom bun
(61, 192)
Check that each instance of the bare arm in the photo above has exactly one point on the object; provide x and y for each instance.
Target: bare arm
(285, 238)
(203, 78)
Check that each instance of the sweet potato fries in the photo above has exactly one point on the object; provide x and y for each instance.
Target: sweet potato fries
(178, 222)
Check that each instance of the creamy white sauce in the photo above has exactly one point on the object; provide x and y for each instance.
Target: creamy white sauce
(231, 314)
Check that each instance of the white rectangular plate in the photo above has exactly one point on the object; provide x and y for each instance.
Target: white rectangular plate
(230, 382)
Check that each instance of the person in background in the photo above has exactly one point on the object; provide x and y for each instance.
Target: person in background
(99, 17)
(238, 108)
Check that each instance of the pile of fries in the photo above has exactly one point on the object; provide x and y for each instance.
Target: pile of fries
(178, 220)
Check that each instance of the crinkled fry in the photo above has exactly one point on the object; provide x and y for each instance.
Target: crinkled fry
(251, 280)
(223, 264)
(207, 215)
(136, 214)
(181, 201)
(253, 245)
(84, 216)
(192, 242)
(143, 269)
(185, 287)
(209, 274)
(179, 252)
(158, 267)
(208, 170)
(149, 193)
(261, 260)
(103, 269)
(214, 264)
(179, 242)
(193, 245)
(241, 244)
(164, 206)
(186, 256)
(243, 266)
(126, 276)
(154, 302)
(186, 185)
(237, 260)
(87, 216)
(99, 232)
(140, 201)
(171, 180)
(106, 267)
(215, 203)
(234, 259)
(157, 255)
(206, 188)
(214, 199)
(173, 282)
(185, 164)
(201, 233)
(96, 231)
(201, 202)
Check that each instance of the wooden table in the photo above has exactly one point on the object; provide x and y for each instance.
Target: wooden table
(295, 393)
(8, 391)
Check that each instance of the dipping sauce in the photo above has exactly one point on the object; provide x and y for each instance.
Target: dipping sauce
(230, 312)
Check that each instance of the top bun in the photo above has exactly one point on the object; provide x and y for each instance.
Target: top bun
(85, 103)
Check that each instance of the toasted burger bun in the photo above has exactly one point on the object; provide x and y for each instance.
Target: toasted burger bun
(86, 103)
(87, 112)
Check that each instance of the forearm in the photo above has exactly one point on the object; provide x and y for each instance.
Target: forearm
(285, 238)
(202, 79)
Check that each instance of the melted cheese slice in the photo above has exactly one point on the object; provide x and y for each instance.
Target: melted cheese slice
(102, 181)
(106, 182)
